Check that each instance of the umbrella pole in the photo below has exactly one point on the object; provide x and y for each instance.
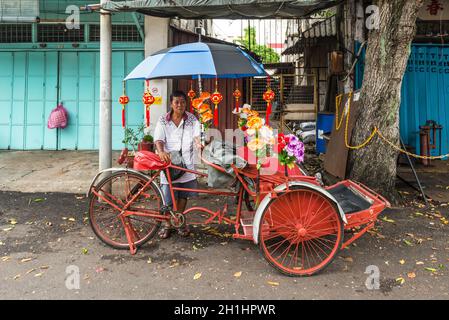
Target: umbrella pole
(200, 89)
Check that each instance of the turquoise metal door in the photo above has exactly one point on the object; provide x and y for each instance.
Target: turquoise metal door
(28, 81)
(425, 95)
(79, 92)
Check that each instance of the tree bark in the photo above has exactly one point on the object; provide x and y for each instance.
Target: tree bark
(387, 54)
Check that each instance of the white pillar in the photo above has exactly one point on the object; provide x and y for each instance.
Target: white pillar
(105, 127)
(156, 38)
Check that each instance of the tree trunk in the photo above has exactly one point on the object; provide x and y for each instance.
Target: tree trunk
(387, 54)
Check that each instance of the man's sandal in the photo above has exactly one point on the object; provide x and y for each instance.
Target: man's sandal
(165, 232)
(184, 231)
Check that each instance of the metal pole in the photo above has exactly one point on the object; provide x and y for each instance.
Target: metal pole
(105, 141)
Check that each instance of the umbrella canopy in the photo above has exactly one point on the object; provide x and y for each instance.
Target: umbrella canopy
(208, 60)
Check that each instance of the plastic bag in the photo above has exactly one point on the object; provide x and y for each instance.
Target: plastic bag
(58, 118)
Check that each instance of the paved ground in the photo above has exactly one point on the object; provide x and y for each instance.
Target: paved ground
(42, 234)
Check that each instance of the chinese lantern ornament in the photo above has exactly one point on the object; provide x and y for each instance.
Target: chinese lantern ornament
(148, 99)
(216, 98)
(268, 96)
(237, 94)
(123, 100)
(191, 94)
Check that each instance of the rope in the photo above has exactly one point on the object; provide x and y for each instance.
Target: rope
(376, 131)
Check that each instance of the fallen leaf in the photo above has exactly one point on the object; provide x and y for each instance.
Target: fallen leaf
(419, 263)
(388, 220)
(26, 259)
(17, 276)
(84, 251)
(400, 280)
(72, 219)
(271, 283)
(402, 261)
(6, 258)
(8, 229)
(197, 276)
(79, 197)
(44, 267)
(149, 261)
(408, 243)
(411, 275)
(174, 265)
(38, 200)
(238, 274)
(99, 269)
(12, 221)
(348, 259)
(31, 270)
(430, 269)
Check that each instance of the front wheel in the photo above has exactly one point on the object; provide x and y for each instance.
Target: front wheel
(300, 232)
(119, 188)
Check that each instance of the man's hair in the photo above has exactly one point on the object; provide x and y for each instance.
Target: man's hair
(178, 94)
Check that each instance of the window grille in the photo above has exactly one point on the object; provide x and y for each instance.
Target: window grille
(13, 33)
(59, 33)
(120, 32)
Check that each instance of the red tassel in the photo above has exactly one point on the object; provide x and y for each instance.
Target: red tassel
(123, 118)
(147, 113)
(216, 117)
(191, 107)
(267, 119)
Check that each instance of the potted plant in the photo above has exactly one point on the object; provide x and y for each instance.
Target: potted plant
(147, 143)
(130, 139)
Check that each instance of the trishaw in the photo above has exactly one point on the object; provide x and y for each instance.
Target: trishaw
(298, 224)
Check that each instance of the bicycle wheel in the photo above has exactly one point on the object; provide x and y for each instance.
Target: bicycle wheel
(301, 232)
(119, 188)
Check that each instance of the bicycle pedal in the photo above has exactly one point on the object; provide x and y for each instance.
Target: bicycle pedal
(165, 209)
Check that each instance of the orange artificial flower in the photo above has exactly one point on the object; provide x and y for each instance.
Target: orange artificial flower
(206, 116)
(253, 113)
(204, 108)
(255, 144)
(204, 95)
(196, 103)
(254, 123)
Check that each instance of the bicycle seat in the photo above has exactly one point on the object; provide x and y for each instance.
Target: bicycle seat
(146, 160)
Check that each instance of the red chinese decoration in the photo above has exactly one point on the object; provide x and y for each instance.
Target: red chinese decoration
(237, 94)
(123, 100)
(216, 98)
(148, 99)
(191, 94)
(268, 96)
(434, 7)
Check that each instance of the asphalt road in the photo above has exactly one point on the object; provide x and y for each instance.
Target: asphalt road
(45, 239)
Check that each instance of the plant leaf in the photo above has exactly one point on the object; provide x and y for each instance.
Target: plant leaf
(197, 276)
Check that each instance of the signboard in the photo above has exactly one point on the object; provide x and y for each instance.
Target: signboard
(434, 10)
(19, 10)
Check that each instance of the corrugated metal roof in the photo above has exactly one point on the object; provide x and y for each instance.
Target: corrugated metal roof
(323, 30)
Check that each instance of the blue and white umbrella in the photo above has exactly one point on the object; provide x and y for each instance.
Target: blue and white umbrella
(198, 59)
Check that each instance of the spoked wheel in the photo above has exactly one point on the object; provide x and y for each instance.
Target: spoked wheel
(301, 232)
(119, 188)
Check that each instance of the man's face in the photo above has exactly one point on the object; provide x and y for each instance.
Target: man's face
(178, 105)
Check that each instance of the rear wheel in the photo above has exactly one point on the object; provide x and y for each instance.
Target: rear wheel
(119, 188)
(300, 232)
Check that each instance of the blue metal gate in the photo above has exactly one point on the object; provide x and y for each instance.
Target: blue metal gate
(425, 93)
(30, 82)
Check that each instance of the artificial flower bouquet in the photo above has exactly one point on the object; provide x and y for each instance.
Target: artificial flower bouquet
(203, 109)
